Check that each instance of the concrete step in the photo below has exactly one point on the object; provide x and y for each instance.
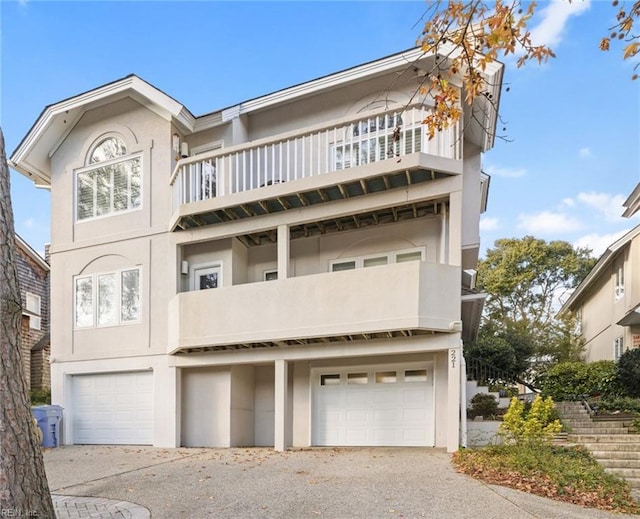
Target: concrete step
(605, 438)
(599, 430)
(591, 423)
(574, 416)
(611, 455)
(609, 447)
(624, 473)
(619, 464)
(634, 483)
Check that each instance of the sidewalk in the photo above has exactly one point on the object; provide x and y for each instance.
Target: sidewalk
(73, 507)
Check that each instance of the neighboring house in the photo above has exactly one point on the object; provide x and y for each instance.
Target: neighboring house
(287, 271)
(606, 303)
(33, 275)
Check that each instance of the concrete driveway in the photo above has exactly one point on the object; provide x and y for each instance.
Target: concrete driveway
(260, 483)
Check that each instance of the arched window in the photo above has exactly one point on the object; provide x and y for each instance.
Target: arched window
(111, 183)
(108, 149)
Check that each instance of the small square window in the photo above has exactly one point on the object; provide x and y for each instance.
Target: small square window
(330, 379)
(373, 262)
(357, 378)
(344, 265)
(415, 375)
(409, 256)
(270, 275)
(386, 377)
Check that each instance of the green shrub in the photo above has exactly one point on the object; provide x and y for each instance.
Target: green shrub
(629, 372)
(577, 380)
(483, 404)
(622, 404)
(562, 473)
(536, 426)
(40, 397)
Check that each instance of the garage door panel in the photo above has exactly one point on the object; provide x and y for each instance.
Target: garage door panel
(114, 408)
(390, 409)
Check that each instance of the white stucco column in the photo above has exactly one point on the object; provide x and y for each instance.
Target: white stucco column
(284, 270)
(453, 398)
(281, 408)
(455, 228)
(166, 427)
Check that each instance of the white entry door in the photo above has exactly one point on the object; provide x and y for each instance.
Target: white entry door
(113, 408)
(381, 406)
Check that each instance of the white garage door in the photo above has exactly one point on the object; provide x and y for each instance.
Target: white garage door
(382, 406)
(113, 408)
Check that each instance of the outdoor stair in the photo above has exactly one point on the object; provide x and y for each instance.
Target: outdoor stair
(609, 441)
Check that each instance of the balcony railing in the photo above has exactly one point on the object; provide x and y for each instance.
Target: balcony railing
(316, 151)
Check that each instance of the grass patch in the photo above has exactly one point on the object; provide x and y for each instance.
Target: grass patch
(563, 473)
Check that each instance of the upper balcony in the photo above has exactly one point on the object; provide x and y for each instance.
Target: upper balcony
(351, 157)
(400, 299)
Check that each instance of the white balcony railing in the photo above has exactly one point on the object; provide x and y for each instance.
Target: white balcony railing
(316, 151)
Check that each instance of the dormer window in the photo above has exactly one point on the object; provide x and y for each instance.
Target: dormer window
(111, 182)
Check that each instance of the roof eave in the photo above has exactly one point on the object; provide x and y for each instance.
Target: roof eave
(129, 86)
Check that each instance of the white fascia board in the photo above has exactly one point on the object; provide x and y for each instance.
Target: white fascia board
(133, 86)
(406, 58)
(32, 253)
(603, 262)
(632, 203)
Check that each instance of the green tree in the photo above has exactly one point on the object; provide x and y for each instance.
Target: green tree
(524, 279)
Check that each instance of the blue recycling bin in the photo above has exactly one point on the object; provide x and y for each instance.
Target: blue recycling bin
(48, 418)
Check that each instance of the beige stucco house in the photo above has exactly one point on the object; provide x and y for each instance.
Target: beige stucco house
(606, 304)
(293, 270)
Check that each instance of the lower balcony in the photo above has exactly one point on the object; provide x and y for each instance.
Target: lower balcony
(394, 300)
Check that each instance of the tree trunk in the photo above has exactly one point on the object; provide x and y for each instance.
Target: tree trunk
(24, 491)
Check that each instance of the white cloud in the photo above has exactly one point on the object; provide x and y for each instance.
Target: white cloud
(610, 206)
(547, 222)
(598, 243)
(584, 153)
(505, 172)
(554, 17)
(29, 223)
(568, 202)
(489, 224)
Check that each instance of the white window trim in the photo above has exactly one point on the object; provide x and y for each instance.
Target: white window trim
(391, 257)
(34, 311)
(267, 272)
(618, 347)
(201, 266)
(98, 165)
(618, 290)
(118, 297)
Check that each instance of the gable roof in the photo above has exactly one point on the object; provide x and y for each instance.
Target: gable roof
(28, 250)
(632, 203)
(31, 157)
(603, 263)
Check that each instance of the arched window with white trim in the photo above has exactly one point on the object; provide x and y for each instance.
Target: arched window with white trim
(111, 182)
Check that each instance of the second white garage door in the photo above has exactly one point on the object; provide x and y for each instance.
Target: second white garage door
(113, 408)
(381, 406)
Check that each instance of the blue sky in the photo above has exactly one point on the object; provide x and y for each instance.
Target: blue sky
(573, 123)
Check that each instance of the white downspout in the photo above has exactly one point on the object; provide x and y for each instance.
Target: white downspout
(463, 399)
